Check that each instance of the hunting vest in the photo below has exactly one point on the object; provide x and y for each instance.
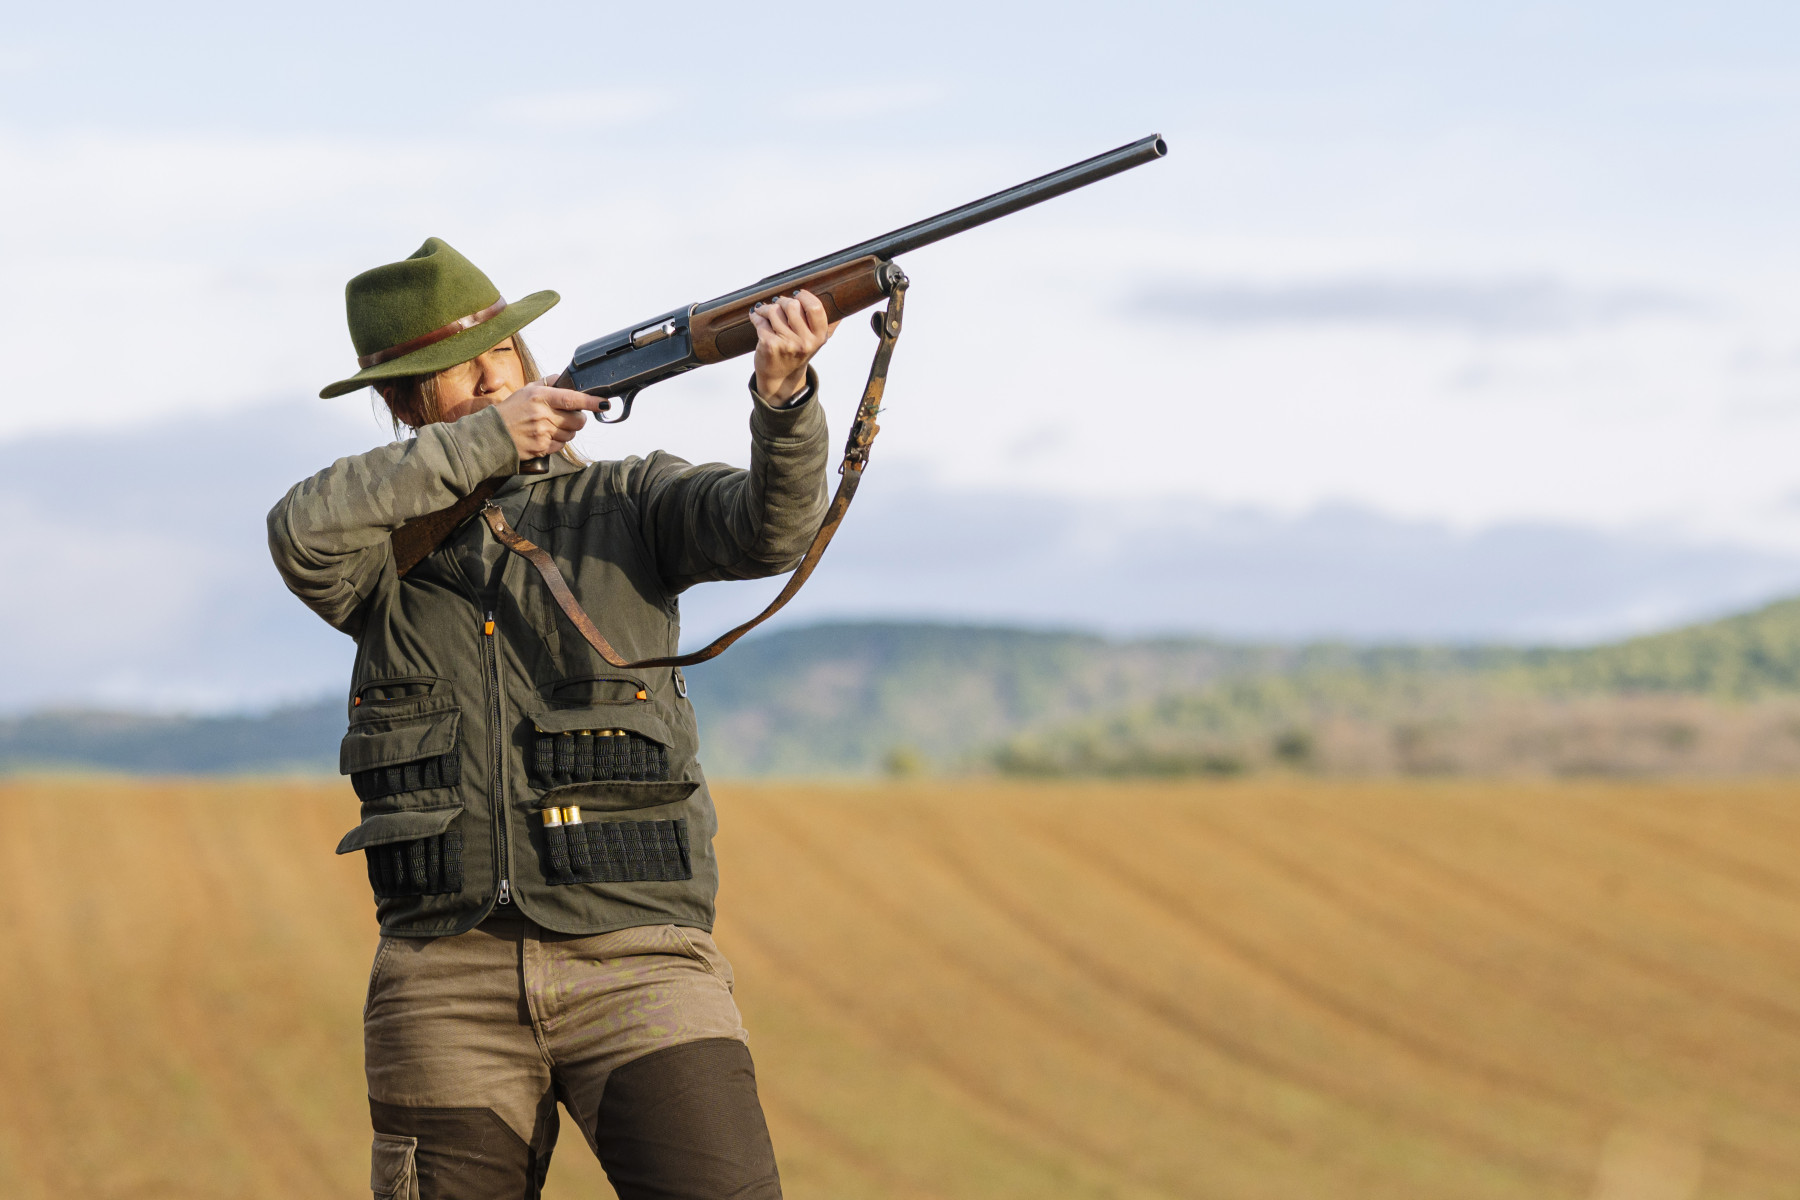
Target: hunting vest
(497, 758)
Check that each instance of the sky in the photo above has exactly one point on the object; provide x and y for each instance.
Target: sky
(1457, 266)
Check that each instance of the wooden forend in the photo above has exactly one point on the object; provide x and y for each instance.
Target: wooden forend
(726, 332)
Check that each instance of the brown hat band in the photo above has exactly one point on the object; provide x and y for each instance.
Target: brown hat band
(434, 337)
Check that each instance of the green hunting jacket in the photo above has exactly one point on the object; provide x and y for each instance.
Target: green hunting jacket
(475, 704)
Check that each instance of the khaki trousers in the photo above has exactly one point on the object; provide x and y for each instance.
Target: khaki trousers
(470, 1041)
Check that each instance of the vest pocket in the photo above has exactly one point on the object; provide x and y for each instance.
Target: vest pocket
(589, 690)
(389, 756)
(378, 783)
(621, 797)
(393, 1167)
(617, 852)
(422, 867)
(413, 853)
(606, 744)
(596, 756)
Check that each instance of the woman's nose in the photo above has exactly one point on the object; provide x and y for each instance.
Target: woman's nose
(493, 378)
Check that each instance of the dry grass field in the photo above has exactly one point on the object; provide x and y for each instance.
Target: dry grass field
(1266, 988)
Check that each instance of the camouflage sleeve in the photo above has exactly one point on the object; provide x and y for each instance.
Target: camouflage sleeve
(329, 534)
(715, 522)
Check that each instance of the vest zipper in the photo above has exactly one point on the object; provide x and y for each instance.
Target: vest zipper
(496, 749)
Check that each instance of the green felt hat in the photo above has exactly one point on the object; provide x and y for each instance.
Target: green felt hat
(431, 310)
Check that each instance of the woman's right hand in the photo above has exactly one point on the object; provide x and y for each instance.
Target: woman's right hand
(542, 418)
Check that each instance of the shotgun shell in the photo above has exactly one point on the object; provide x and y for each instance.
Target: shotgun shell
(584, 754)
(604, 755)
(565, 758)
(552, 817)
(572, 815)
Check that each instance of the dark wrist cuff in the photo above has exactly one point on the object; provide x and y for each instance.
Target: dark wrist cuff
(800, 397)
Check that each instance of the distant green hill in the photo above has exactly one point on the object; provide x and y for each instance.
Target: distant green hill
(1745, 657)
(1719, 697)
(301, 739)
(845, 698)
(850, 699)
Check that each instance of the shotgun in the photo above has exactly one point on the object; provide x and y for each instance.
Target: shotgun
(620, 365)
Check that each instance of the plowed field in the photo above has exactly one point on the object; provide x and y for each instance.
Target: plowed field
(1252, 989)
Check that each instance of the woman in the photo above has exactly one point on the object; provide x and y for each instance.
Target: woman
(537, 827)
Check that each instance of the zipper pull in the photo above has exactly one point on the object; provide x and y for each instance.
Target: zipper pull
(488, 629)
(505, 892)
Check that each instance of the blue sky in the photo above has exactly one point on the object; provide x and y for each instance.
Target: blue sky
(1603, 192)
(1463, 265)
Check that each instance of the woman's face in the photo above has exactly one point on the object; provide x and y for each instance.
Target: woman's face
(485, 379)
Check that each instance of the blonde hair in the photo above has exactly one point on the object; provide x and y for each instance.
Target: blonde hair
(412, 400)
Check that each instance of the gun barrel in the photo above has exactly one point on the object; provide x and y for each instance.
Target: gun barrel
(967, 216)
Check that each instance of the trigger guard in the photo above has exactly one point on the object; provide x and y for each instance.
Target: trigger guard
(624, 409)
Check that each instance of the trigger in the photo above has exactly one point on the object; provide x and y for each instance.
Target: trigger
(624, 409)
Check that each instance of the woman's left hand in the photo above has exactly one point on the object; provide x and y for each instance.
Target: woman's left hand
(789, 331)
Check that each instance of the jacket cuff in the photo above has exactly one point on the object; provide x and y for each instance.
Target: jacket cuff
(799, 398)
(798, 421)
(484, 446)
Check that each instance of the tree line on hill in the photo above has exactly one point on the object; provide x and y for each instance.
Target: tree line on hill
(858, 699)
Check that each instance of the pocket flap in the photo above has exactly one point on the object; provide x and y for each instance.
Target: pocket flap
(622, 796)
(389, 741)
(383, 828)
(633, 718)
(599, 689)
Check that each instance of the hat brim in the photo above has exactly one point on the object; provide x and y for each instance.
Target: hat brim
(458, 348)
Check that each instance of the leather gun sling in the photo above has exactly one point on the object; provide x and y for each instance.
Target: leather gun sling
(856, 457)
(414, 541)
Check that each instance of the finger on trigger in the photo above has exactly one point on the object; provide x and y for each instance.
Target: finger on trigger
(565, 400)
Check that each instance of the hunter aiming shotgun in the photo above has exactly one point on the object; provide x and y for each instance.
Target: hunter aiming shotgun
(620, 365)
(537, 824)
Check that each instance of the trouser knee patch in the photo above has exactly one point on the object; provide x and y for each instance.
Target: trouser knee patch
(465, 1153)
(685, 1123)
